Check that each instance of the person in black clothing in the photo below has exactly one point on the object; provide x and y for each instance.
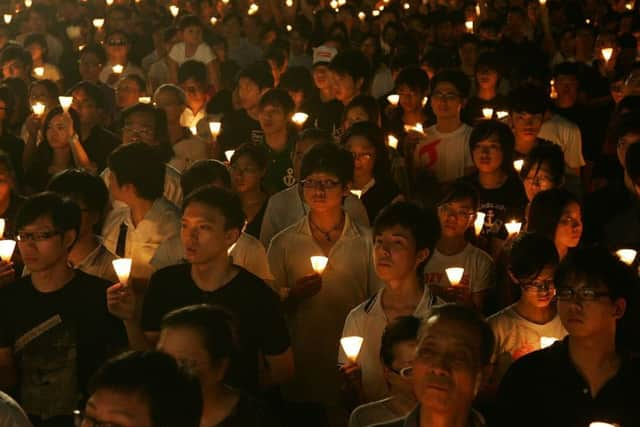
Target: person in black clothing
(9, 143)
(211, 222)
(205, 337)
(487, 79)
(50, 350)
(242, 125)
(590, 375)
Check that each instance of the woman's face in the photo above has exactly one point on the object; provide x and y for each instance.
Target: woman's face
(364, 155)
(59, 131)
(487, 78)
(540, 291)
(39, 93)
(410, 99)
(569, 228)
(487, 155)
(321, 76)
(538, 179)
(246, 175)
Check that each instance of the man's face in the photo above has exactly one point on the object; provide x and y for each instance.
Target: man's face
(410, 99)
(248, 93)
(446, 101)
(42, 246)
(203, 234)
(86, 107)
(186, 346)
(395, 254)
(487, 78)
(487, 155)
(196, 93)
(127, 93)
(171, 104)
(89, 66)
(272, 119)
(455, 217)
(526, 126)
(114, 407)
(323, 192)
(447, 368)
(567, 87)
(139, 127)
(345, 88)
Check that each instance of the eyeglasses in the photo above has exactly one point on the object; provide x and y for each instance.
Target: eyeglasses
(36, 236)
(447, 210)
(80, 419)
(405, 372)
(583, 294)
(540, 287)
(117, 43)
(326, 184)
(362, 156)
(142, 131)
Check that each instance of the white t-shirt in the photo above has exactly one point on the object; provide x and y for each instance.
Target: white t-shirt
(187, 151)
(203, 53)
(517, 337)
(567, 135)
(446, 155)
(479, 273)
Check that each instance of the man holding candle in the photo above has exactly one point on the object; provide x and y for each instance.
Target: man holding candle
(590, 375)
(404, 237)
(50, 349)
(319, 304)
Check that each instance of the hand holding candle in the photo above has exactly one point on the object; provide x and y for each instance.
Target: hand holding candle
(38, 72)
(487, 113)
(501, 114)
(454, 274)
(357, 193)
(65, 102)
(144, 100)
(117, 69)
(6, 249)
(607, 52)
(122, 266)
(478, 224)
(319, 263)
(98, 23)
(513, 227)
(351, 347)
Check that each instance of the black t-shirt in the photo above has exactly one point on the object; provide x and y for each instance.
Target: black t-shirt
(544, 388)
(472, 113)
(238, 128)
(256, 308)
(100, 143)
(58, 339)
(379, 196)
(500, 205)
(14, 147)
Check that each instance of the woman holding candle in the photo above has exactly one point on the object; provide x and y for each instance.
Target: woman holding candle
(487, 80)
(411, 86)
(557, 214)
(543, 169)
(36, 45)
(248, 167)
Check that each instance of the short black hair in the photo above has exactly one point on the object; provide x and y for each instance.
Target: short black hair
(277, 55)
(173, 395)
(256, 153)
(422, 224)
(399, 330)
(189, 21)
(259, 73)
(297, 79)
(458, 191)
(375, 136)
(277, 98)
(494, 129)
(125, 163)
(454, 76)
(414, 78)
(546, 210)
(96, 49)
(193, 69)
(64, 214)
(528, 98)
(472, 321)
(317, 134)
(545, 153)
(530, 253)
(329, 158)
(566, 69)
(353, 63)
(368, 104)
(202, 173)
(489, 60)
(226, 201)
(92, 91)
(81, 185)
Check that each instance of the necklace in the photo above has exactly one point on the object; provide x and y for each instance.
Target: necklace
(327, 234)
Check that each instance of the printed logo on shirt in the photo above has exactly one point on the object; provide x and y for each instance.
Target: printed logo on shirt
(429, 153)
(37, 331)
(289, 179)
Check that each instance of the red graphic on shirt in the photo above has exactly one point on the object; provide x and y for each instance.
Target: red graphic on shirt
(429, 152)
(523, 350)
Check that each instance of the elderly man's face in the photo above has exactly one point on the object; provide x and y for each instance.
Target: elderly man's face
(447, 367)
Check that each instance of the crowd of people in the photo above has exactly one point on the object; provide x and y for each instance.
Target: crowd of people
(367, 213)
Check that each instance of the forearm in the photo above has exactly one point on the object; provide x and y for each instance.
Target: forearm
(137, 338)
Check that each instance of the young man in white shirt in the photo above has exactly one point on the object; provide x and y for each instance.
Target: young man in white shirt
(147, 219)
(443, 150)
(404, 237)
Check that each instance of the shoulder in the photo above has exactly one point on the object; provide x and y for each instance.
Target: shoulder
(478, 255)
(506, 314)
(170, 277)
(89, 281)
(288, 233)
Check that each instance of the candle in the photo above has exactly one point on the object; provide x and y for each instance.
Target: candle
(98, 22)
(587, 21)
(299, 118)
(2, 223)
(406, 6)
(478, 224)
(477, 10)
(424, 100)
(109, 2)
(469, 26)
(375, 13)
(319, 263)
(393, 99)
(213, 20)
(225, 1)
(517, 165)
(118, 68)
(342, 3)
(174, 10)
(417, 128)
(487, 113)
(122, 266)
(65, 102)
(6, 249)
(229, 154)
(351, 347)
(454, 274)
(252, 9)
(554, 92)
(606, 53)
(289, 28)
(602, 424)
(214, 128)
(501, 114)
(392, 142)
(38, 108)
(144, 100)
(333, 4)
(362, 16)
(28, 3)
(513, 227)
(547, 341)
(542, 2)
(7, 18)
(626, 255)
(194, 130)
(289, 3)
(629, 5)
(357, 193)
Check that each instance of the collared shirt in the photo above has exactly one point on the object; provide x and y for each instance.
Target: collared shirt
(545, 388)
(413, 420)
(317, 322)
(368, 321)
(99, 263)
(188, 118)
(287, 207)
(161, 222)
(172, 189)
